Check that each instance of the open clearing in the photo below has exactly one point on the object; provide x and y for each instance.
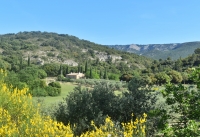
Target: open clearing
(65, 89)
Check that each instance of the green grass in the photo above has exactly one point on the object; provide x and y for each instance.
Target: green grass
(65, 89)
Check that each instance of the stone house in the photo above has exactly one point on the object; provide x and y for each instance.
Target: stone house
(75, 75)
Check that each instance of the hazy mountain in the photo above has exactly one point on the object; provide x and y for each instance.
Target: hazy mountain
(161, 51)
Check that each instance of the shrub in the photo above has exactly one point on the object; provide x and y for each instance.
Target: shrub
(53, 91)
(81, 106)
(39, 92)
(20, 117)
(55, 84)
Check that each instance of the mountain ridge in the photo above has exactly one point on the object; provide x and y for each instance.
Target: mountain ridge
(160, 51)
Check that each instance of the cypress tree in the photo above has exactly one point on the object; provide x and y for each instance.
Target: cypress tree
(86, 67)
(90, 72)
(29, 60)
(67, 70)
(60, 71)
(101, 74)
(105, 74)
(81, 69)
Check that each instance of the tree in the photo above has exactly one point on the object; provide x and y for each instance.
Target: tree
(101, 74)
(29, 60)
(90, 72)
(79, 68)
(60, 70)
(67, 70)
(94, 104)
(86, 67)
(51, 69)
(138, 99)
(197, 51)
(186, 105)
(105, 74)
(185, 76)
(162, 78)
(53, 89)
(126, 77)
(175, 76)
(178, 65)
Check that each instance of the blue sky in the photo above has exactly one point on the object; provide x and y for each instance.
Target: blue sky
(106, 22)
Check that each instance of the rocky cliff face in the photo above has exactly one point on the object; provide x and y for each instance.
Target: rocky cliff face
(161, 51)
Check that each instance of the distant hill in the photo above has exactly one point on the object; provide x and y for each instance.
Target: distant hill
(45, 47)
(161, 51)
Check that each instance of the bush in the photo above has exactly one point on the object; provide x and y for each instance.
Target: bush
(20, 117)
(36, 92)
(81, 106)
(55, 84)
(53, 91)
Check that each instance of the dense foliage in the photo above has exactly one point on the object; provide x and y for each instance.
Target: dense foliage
(83, 105)
(19, 116)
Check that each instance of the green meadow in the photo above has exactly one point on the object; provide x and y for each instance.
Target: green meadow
(65, 89)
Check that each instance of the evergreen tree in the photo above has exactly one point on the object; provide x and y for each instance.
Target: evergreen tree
(81, 69)
(105, 74)
(29, 60)
(86, 67)
(67, 70)
(90, 72)
(101, 75)
(60, 70)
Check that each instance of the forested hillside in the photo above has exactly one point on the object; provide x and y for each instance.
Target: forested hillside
(30, 57)
(44, 47)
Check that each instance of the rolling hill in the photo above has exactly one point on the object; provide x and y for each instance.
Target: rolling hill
(46, 47)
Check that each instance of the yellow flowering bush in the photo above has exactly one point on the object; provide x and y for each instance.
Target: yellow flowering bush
(20, 117)
(109, 129)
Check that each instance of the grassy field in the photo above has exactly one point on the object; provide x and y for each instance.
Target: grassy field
(65, 89)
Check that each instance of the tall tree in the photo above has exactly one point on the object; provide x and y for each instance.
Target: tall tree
(29, 60)
(90, 72)
(79, 68)
(60, 70)
(67, 70)
(101, 75)
(105, 74)
(86, 67)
